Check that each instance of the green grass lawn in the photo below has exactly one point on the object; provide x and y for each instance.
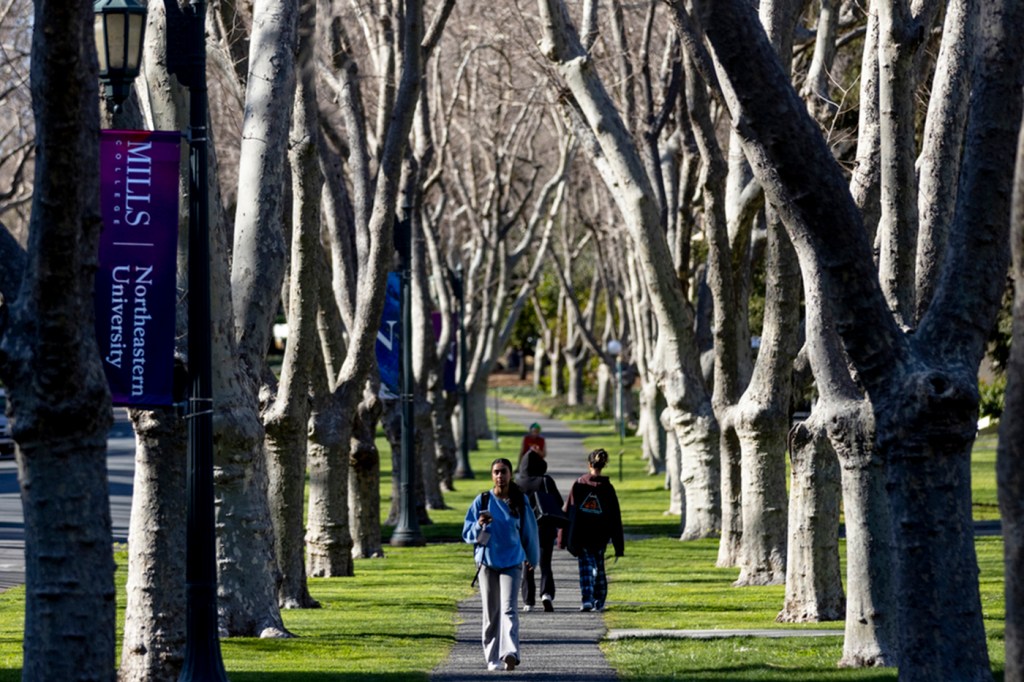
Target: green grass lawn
(395, 620)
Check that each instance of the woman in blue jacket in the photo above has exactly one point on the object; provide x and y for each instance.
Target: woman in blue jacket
(503, 530)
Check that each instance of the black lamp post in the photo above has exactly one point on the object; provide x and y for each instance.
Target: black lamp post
(614, 349)
(463, 470)
(186, 31)
(119, 27)
(407, 532)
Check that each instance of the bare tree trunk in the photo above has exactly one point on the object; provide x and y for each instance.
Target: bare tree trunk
(762, 421)
(1010, 458)
(900, 34)
(576, 365)
(673, 468)
(698, 437)
(556, 380)
(872, 632)
(328, 536)
(442, 407)
(476, 409)
(732, 499)
(364, 481)
(814, 583)
(154, 630)
(924, 388)
(942, 144)
(649, 426)
(871, 636)
(762, 414)
(539, 361)
(426, 446)
(328, 539)
(50, 362)
(606, 388)
(249, 577)
(424, 349)
(287, 420)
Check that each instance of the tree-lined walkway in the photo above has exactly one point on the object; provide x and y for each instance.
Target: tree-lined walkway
(555, 646)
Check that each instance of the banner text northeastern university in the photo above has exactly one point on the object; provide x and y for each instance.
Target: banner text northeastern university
(135, 283)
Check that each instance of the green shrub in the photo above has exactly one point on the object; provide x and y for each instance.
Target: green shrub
(992, 396)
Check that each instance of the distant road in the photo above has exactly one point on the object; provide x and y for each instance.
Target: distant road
(121, 472)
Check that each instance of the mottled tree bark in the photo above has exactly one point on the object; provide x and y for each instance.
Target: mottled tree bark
(814, 585)
(1010, 457)
(153, 647)
(923, 387)
(616, 157)
(287, 418)
(364, 480)
(50, 363)
(249, 577)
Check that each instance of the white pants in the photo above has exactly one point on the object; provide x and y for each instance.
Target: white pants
(499, 592)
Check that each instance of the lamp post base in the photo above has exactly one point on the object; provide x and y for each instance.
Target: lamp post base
(404, 537)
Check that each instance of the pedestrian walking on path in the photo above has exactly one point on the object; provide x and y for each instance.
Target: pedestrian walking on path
(503, 530)
(594, 521)
(558, 646)
(533, 442)
(541, 490)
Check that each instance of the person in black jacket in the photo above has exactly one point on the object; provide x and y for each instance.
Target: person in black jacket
(594, 520)
(532, 477)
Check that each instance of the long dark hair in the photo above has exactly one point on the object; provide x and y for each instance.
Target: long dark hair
(515, 493)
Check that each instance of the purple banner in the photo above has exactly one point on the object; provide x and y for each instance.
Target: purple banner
(135, 283)
(451, 357)
(389, 338)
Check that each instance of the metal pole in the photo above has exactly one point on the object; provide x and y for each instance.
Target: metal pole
(202, 646)
(407, 532)
(622, 403)
(497, 435)
(463, 469)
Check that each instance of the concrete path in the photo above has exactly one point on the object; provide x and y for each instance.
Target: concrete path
(558, 646)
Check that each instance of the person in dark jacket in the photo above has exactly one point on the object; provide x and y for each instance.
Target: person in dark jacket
(594, 521)
(532, 477)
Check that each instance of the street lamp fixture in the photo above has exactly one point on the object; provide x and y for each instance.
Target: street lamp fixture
(119, 26)
(614, 348)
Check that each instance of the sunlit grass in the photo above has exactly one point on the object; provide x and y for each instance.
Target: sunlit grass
(396, 618)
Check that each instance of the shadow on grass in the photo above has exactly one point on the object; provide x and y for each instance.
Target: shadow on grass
(279, 676)
(753, 672)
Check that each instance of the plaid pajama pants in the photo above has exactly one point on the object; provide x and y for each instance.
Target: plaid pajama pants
(593, 581)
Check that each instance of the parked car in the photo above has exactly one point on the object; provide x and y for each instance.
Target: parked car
(6, 442)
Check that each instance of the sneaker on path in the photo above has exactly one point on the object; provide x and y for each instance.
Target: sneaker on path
(511, 662)
(587, 606)
(527, 607)
(547, 600)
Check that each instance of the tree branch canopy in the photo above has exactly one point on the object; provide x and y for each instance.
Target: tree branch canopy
(800, 177)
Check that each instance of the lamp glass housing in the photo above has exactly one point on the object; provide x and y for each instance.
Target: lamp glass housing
(119, 29)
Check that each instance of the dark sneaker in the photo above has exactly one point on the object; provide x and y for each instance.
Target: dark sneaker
(546, 601)
(587, 606)
(511, 662)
